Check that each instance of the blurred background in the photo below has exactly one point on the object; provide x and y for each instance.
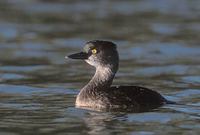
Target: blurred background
(159, 47)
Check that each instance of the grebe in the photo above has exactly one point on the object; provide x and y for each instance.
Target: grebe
(98, 94)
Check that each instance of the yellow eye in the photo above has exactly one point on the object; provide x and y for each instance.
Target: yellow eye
(94, 51)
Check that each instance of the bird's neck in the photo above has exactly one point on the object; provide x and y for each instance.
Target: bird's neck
(102, 79)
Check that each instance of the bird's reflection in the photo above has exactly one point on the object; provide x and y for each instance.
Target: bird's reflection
(98, 122)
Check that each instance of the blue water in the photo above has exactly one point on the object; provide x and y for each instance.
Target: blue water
(158, 43)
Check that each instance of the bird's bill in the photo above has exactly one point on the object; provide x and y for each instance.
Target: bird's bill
(81, 55)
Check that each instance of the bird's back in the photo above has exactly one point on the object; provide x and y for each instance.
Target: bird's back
(134, 97)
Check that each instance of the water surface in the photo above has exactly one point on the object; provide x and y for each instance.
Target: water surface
(158, 42)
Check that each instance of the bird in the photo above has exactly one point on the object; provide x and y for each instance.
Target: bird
(99, 94)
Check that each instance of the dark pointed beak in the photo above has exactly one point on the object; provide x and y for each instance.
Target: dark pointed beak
(81, 55)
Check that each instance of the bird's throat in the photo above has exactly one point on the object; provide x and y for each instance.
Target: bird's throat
(102, 79)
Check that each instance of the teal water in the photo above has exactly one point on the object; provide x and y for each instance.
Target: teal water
(158, 42)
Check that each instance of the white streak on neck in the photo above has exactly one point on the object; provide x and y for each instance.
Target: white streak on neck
(102, 79)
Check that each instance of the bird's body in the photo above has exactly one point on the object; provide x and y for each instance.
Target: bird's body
(131, 98)
(98, 94)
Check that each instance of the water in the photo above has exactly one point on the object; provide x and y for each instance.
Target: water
(159, 48)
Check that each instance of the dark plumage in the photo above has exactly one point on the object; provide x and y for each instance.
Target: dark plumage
(98, 94)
